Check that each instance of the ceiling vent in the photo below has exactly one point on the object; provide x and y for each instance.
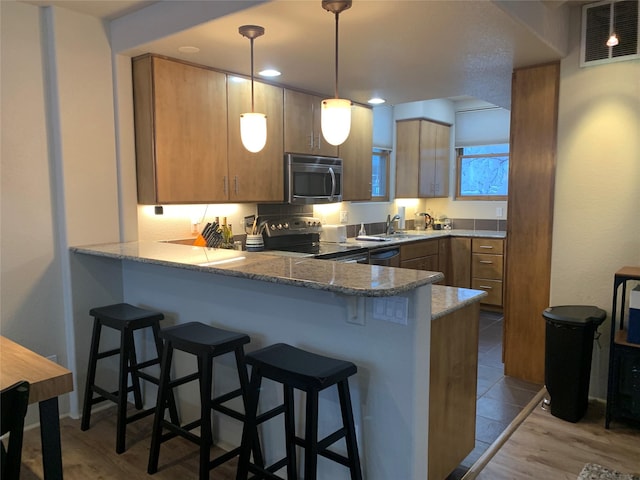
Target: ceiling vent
(603, 19)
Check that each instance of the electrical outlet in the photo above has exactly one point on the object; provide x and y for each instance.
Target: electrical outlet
(499, 212)
(344, 216)
(53, 358)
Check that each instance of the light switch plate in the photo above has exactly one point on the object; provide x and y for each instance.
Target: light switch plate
(344, 216)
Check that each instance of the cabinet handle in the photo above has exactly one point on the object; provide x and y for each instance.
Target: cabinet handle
(224, 184)
(235, 184)
(486, 261)
(311, 141)
(486, 246)
(319, 142)
(486, 287)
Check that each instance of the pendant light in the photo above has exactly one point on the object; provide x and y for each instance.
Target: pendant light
(613, 40)
(253, 126)
(335, 118)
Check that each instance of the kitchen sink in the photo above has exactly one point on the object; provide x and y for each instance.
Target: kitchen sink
(398, 235)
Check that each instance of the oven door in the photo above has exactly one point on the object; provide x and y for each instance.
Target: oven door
(313, 180)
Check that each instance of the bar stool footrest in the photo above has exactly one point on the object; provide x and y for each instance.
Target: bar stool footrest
(107, 353)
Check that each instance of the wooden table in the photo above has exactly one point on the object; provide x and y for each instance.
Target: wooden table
(47, 381)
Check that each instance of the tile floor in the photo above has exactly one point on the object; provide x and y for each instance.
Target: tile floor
(499, 398)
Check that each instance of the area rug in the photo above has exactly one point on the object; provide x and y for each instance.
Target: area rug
(593, 471)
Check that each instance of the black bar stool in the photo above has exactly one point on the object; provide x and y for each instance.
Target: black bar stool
(206, 343)
(311, 373)
(126, 319)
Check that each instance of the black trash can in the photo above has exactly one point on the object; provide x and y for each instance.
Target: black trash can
(570, 331)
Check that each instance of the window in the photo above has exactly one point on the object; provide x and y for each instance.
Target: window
(483, 172)
(380, 175)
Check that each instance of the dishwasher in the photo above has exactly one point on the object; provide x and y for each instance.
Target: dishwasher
(387, 257)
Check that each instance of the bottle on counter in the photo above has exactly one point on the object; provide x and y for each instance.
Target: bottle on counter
(362, 230)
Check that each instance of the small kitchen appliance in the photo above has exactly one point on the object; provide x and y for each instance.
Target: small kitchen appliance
(333, 233)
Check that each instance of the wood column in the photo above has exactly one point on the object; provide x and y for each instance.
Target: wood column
(532, 166)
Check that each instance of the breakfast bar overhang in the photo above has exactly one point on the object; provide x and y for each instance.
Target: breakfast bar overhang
(376, 317)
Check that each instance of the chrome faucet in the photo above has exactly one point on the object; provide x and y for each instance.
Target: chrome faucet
(390, 221)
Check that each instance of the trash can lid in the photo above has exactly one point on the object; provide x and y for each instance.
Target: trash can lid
(575, 315)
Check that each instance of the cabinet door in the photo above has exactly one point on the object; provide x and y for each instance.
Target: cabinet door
(441, 161)
(407, 158)
(302, 125)
(189, 132)
(434, 159)
(298, 122)
(356, 155)
(460, 262)
(427, 165)
(255, 177)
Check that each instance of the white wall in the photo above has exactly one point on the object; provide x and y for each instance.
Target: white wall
(59, 183)
(596, 220)
(30, 279)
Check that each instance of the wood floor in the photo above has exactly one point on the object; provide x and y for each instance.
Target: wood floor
(91, 455)
(543, 447)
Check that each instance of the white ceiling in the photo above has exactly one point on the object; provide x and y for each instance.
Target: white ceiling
(401, 50)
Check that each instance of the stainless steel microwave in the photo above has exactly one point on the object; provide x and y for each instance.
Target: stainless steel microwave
(311, 179)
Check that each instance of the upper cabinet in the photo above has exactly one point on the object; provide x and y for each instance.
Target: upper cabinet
(356, 155)
(255, 177)
(188, 143)
(302, 132)
(422, 159)
(181, 132)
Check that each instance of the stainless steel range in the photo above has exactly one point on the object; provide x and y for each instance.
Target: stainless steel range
(301, 234)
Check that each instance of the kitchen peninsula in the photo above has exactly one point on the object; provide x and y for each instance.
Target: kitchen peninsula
(377, 317)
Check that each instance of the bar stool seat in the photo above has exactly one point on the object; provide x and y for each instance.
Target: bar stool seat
(311, 373)
(206, 343)
(126, 319)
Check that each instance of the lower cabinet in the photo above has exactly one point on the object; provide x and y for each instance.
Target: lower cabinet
(421, 255)
(476, 263)
(487, 269)
(452, 389)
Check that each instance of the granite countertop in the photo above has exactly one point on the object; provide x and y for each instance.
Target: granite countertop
(343, 278)
(405, 236)
(445, 300)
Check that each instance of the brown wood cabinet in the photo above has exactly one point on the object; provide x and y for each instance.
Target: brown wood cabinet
(181, 132)
(255, 177)
(356, 155)
(452, 389)
(487, 269)
(422, 159)
(420, 255)
(302, 132)
(454, 261)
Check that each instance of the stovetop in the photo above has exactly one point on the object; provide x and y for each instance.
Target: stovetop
(300, 234)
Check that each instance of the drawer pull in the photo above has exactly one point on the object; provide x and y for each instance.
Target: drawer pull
(487, 287)
(486, 261)
(486, 246)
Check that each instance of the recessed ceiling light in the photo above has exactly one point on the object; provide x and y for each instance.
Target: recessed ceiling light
(269, 72)
(188, 49)
(376, 101)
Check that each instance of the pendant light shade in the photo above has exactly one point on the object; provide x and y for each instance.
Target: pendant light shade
(253, 131)
(335, 118)
(253, 126)
(613, 40)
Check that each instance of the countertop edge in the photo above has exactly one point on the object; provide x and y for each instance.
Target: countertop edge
(385, 291)
(445, 300)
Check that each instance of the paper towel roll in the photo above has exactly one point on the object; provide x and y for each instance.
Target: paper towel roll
(401, 212)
